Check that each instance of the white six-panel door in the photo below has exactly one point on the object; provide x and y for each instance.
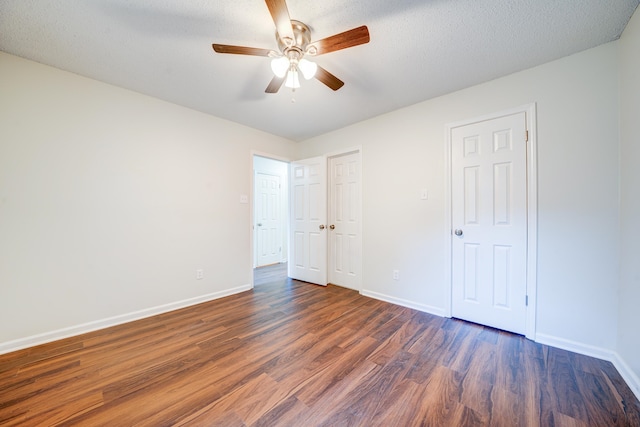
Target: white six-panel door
(489, 219)
(268, 221)
(308, 257)
(344, 221)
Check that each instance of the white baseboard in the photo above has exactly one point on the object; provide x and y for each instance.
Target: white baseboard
(624, 370)
(574, 346)
(632, 380)
(437, 311)
(22, 343)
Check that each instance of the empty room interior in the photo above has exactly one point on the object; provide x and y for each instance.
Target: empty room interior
(319, 213)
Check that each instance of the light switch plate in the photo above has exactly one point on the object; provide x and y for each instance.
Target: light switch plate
(244, 198)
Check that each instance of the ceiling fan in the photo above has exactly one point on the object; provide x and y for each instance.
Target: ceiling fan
(294, 42)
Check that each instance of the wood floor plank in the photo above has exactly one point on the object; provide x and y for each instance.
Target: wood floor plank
(440, 404)
(478, 382)
(511, 410)
(599, 407)
(306, 354)
(409, 409)
(373, 395)
(289, 353)
(333, 369)
(337, 394)
(569, 399)
(401, 338)
(290, 412)
(562, 420)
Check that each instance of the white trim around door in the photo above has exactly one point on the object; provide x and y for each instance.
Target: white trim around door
(251, 202)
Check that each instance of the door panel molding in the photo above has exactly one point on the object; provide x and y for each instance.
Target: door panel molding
(269, 217)
(344, 216)
(308, 220)
(532, 220)
(304, 256)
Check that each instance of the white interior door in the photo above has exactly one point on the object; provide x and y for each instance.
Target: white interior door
(344, 221)
(308, 231)
(489, 219)
(268, 220)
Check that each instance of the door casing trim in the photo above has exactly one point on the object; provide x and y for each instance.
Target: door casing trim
(532, 210)
(252, 154)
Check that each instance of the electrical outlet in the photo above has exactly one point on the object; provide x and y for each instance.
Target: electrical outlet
(396, 274)
(199, 274)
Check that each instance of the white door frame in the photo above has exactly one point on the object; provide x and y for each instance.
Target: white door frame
(289, 160)
(532, 210)
(252, 207)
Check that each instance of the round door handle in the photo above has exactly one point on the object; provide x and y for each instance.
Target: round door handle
(321, 227)
(458, 232)
(333, 227)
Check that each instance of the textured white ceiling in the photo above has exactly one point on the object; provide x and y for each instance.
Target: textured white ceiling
(419, 49)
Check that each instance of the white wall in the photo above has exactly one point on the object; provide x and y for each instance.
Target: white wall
(110, 200)
(629, 313)
(578, 268)
(281, 169)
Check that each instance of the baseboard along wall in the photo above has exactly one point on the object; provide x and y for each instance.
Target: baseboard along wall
(47, 337)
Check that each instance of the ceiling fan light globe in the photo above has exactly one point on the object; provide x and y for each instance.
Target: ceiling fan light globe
(292, 80)
(280, 66)
(307, 68)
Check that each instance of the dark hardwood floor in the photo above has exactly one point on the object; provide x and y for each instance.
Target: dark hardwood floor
(294, 354)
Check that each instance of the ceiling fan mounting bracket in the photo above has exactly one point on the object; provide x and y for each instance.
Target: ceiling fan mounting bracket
(301, 39)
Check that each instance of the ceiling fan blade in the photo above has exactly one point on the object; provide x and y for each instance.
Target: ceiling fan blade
(243, 50)
(329, 79)
(354, 37)
(275, 84)
(280, 15)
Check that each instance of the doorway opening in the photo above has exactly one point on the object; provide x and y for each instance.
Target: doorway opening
(270, 216)
(306, 222)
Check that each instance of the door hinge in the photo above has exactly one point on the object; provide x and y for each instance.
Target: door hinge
(526, 300)
(526, 136)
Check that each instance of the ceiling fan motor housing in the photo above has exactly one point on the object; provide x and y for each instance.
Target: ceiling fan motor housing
(298, 47)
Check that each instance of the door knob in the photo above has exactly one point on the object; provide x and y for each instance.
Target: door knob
(321, 226)
(458, 232)
(333, 227)
(259, 224)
